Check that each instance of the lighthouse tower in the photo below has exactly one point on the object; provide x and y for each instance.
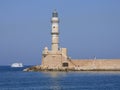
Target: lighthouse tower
(55, 31)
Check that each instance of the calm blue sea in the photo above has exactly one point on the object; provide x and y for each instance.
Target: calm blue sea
(16, 79)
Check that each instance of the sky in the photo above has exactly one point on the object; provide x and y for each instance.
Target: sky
(88, 28)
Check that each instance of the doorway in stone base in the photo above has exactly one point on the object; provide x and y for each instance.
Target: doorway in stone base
(65, 64)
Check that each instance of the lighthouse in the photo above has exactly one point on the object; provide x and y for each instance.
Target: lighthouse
(55, 31)
(56, 57)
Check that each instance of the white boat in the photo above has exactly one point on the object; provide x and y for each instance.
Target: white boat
(17, 65)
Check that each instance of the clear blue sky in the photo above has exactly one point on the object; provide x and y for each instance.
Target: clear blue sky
(88, 28)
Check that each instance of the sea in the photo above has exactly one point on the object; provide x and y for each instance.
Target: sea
(16, 79)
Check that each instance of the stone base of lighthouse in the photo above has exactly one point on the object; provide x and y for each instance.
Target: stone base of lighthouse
(54, 59)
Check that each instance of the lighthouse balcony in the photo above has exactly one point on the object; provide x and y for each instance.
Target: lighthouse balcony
(55, 32)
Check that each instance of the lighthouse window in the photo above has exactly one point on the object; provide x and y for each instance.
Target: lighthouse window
(53, 26)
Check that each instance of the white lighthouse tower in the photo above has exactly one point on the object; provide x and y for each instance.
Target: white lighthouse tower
(55, 31)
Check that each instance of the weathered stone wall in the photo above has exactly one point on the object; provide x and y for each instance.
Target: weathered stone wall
(55, 60)
(52, 61)
(95, 64)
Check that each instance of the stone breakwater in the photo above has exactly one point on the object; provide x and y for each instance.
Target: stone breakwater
(82, 65)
